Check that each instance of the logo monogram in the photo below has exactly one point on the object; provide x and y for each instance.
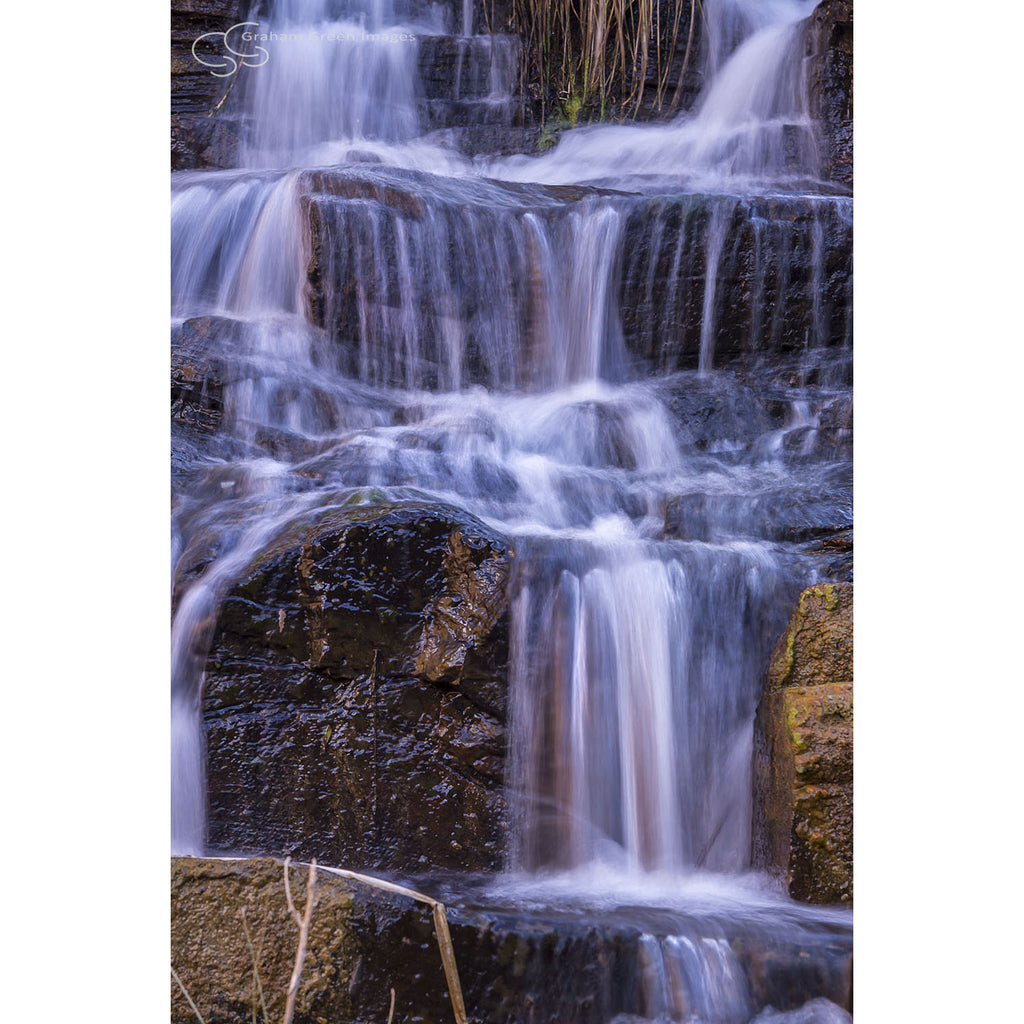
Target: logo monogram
(234, 58)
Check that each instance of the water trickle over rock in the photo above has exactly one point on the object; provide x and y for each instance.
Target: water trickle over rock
(497, 477)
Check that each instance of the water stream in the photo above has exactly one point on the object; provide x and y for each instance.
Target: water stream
(503, 348)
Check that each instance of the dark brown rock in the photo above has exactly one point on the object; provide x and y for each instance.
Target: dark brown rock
(355, 693)
(198, 371)
(828, 46)
(803, 758)
(197, 138)
(201, 141)
(782, 283)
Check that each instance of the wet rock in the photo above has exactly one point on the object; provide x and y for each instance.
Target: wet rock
(716, 413)
(828, 46)
(458, 68)
(198, 371)
(197, 139)
(744, 280)
(490, 140)
(363, 942)
(355, 692)
(780, 278)
(346, 186)
(835, 552)
(817, 647)
(198, 376)
(803, 761)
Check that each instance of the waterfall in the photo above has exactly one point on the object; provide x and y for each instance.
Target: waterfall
(631, 382)
(751, 126)
(649, 686)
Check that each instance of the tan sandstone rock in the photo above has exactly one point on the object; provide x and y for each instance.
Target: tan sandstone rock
(803, 759)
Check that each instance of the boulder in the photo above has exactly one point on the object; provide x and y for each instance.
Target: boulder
(355, 692)
(803, 757)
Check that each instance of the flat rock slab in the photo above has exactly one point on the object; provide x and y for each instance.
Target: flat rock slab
(516, 960)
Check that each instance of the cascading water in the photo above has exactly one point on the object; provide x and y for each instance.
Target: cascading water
(751, 127)
(479, 343)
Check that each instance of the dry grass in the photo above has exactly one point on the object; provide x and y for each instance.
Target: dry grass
(598, 54)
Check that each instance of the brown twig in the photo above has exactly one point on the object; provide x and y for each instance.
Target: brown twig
(444, 938)
(302, 920)
(678, 94)
(223, 99)
(451, 970)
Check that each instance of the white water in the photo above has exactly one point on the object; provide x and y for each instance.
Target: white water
(646, 690)
(330, 79)
(750, 127)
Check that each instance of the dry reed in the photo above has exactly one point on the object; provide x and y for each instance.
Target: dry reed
(597, 56)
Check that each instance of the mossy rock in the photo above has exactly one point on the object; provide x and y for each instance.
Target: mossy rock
(803, 761)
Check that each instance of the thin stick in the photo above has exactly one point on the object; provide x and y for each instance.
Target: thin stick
(303, 922)
(223, 98)
(391, 1010)
(451, 970)
(184, 992)
(678, 94)
(444, 938)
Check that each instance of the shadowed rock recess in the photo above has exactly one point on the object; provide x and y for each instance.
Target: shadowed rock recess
(804, 751)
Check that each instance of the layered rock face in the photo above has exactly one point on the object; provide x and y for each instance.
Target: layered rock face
(803, 760)
(355, 696)
(197, 138)
(735, 279)
(677, 282)
(474, 89)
